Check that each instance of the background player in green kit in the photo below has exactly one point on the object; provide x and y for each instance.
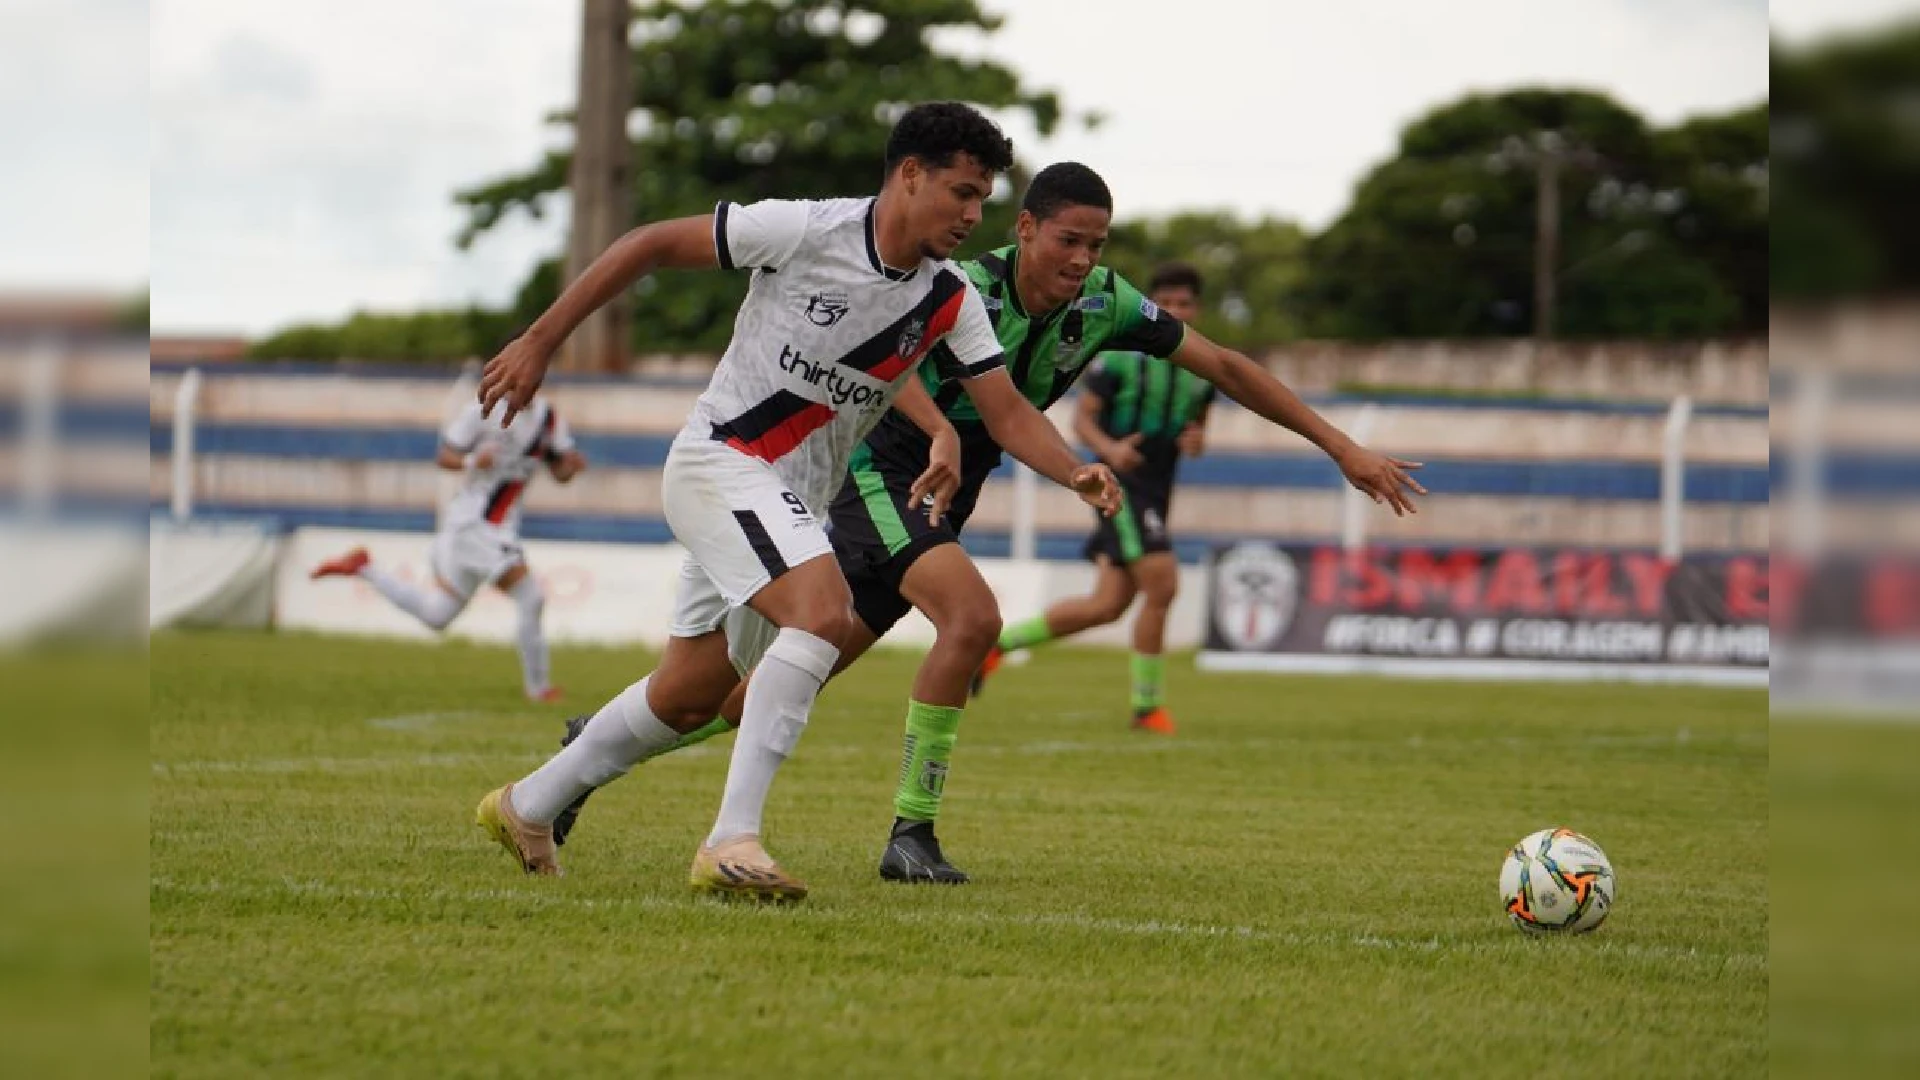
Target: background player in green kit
(897, 539)
(1140, 415)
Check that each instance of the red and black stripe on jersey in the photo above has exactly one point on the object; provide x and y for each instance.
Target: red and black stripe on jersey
(771, 429)
(505, 494)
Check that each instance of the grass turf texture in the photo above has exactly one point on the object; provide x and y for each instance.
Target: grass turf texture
(1301, 883)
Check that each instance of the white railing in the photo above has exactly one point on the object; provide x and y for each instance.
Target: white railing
(1673, 478)
(186, 401)
(39, 429)
(1354, 504)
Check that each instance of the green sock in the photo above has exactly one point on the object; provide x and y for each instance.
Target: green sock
(1149, 681)
(923, 764)
(1025, 634)
(701, 734)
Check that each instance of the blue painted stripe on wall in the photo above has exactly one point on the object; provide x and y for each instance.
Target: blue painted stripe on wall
(1630, 481)
(304, 369)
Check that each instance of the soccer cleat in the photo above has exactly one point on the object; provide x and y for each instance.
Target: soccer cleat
(1155, 720)
(531, 845)
(987, 667)
(345, 566)
(563, 822)
(548, 696)
(913, 856)
(740, 869)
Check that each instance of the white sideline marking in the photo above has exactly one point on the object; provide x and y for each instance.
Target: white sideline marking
(419, 721)
(1742, 961)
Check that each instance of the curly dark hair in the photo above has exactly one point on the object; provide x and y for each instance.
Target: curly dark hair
(1175, 275)
(1065, 184)
(936, 131)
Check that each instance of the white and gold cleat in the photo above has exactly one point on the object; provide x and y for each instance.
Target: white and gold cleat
(531, 845)
(740, 869)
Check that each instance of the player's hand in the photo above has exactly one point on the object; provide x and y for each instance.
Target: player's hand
(1124, 454)
(937, 486)
(1096, 487)
(1192, 440)
(483, 459)
(1383, 479)
(512, 378)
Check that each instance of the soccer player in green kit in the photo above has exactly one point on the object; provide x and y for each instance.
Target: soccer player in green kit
(897, 538)
(1140, 415)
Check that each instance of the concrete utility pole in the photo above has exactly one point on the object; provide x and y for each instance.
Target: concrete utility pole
(602, 192)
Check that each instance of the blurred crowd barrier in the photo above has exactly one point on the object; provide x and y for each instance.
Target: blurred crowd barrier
(328, 446)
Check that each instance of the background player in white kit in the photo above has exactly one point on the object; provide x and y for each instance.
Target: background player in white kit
(478, 542)
(847, 297)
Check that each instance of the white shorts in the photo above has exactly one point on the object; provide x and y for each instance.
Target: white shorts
(467, 556)
(698, 608)
(742, 527)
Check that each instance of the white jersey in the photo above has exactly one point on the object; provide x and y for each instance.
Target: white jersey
(826, 335)
(492, 495)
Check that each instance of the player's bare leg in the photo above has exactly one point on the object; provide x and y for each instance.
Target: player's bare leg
(948, 589)
(1158, 577)
(1113, 591)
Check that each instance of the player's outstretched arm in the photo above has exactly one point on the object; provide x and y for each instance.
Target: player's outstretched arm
(1384, 479)
(940, 481)
(1027, 434)
(680, 244)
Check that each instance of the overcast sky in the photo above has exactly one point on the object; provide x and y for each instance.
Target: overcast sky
(302, 156)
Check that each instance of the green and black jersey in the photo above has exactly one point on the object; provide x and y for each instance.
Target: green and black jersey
(1154, 399)
(876, 534)
(1045, 353)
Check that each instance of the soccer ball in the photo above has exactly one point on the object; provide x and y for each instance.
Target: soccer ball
(1557, 881)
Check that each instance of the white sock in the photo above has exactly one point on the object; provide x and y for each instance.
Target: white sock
(779, 696)
(431, 605)
(622, 734)
(531, 601)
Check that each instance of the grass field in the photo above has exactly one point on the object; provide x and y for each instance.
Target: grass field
(1301, 883)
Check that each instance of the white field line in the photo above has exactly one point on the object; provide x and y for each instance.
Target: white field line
(1085, 924)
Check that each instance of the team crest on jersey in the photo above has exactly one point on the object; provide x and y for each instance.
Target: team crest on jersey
(910, 337)
(1091, 303)
(826, 308)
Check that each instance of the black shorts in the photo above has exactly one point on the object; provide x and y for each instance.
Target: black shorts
(1139, 529)
(877, 536)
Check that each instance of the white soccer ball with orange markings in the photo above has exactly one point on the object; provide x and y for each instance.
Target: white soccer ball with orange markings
(1557, 881)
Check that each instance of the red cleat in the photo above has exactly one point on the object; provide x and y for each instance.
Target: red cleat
(987, 667)
(1155, 720)
(548, 696)
(345, 566)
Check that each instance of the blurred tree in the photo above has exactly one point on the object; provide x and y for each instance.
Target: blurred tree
(1441, 240)
(742, 101)
(1253, 272)
(765, 99)
(1846, 125)
(426, 336)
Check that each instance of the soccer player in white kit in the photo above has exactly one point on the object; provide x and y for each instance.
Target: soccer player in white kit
(847, 297)
(478, 542)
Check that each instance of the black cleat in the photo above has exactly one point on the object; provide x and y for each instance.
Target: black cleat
(913, 856)
(563, 824)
